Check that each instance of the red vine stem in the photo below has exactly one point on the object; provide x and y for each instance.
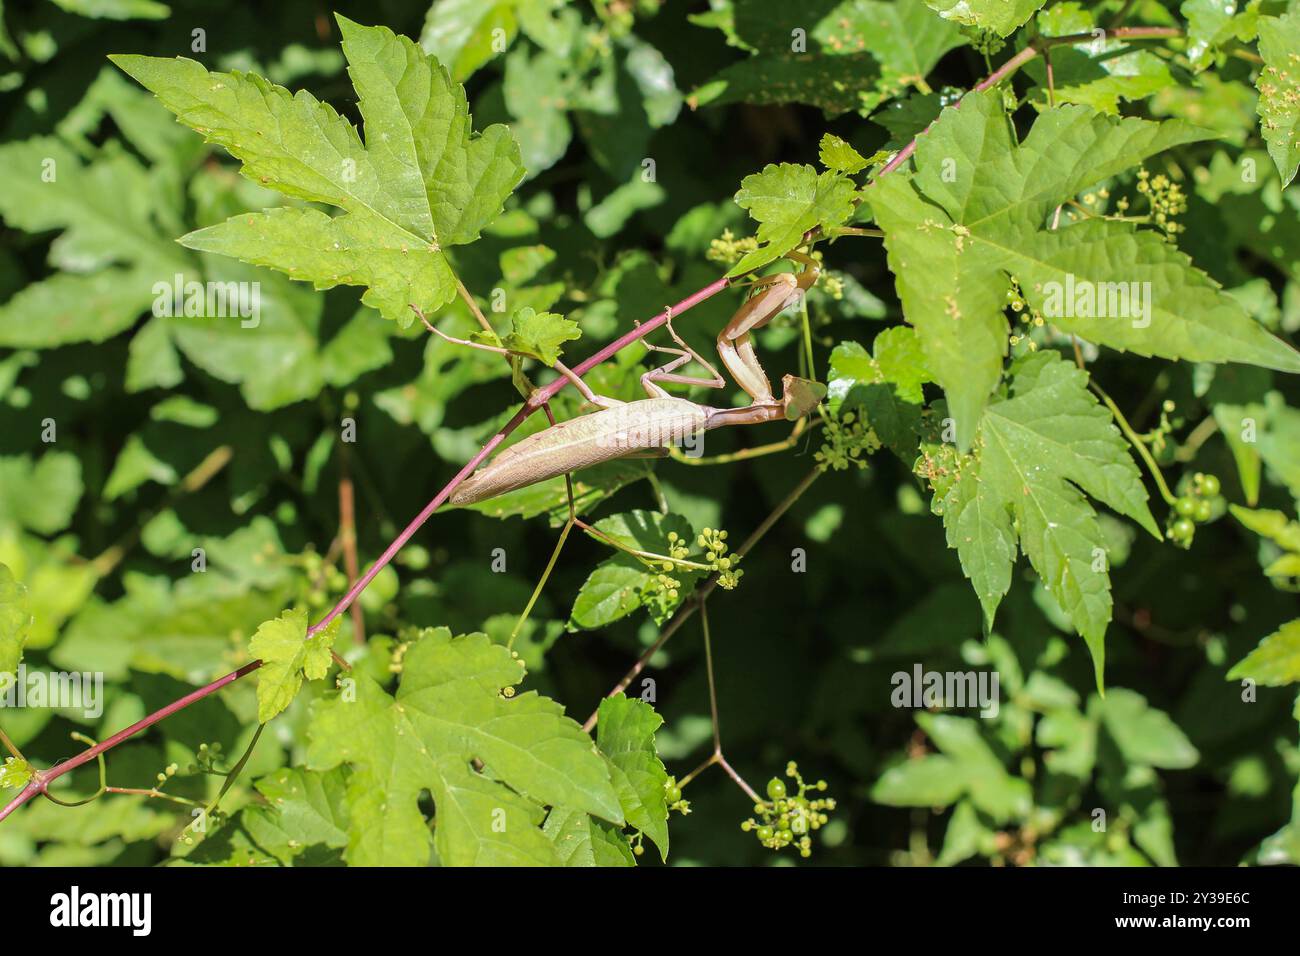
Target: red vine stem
(41, 779)
(1033, 50)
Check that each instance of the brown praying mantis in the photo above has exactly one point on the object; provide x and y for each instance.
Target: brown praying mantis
(649, 426)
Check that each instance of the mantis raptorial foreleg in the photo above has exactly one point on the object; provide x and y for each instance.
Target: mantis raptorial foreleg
(735, 345)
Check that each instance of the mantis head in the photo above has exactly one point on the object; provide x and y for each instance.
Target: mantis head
(800, 396)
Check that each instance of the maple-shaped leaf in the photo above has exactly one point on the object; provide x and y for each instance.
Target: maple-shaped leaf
(14, 773)
(625, 734)
(455, 705)
(977, 209)
(1002, 16)
(837, 154)
(287, 654)
(1279, 91)
(420, 183)
(787, 200)
(539, 335)
(15, 620)
(1038, 450)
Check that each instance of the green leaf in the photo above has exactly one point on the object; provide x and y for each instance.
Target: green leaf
(1095, 72)
(288, 654)
(116, 9)
(1144, 734)
(966, 767)
(1213, 25)
(449, 711)
(1279, 91)
(787, 200)
(623, 583)
(1002, 16)
(540, 335)
(859, 53)
(582, 840)
(930, 781)
(69, 307)
(1038, 451)
(15, 620)
(625, 734)
(40, 495)
(419, 184)
(903, 35)
(887, 385)
(535, 86)
(838, 155)
(977, 209)
(14, 773)
(1276, 661)
(1271, 524)
(460, 33)
(304, 811)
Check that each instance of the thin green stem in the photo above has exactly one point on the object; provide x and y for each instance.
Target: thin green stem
(11, 746)
(537, 591)
(234, 773)
(1136, 441)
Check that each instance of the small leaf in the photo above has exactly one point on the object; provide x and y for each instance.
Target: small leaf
(1276, 661)
(787, 200)
(836, 154)
(287, 654)
(1144, 734)
(1002, 16)
(14, 773)
(540, 335)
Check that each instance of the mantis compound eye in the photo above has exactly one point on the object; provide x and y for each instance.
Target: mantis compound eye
(800, 396)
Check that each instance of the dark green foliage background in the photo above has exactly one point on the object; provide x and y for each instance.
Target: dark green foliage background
(804, 660)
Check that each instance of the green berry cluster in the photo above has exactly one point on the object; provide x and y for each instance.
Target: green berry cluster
(848, 438)
(1167, 201)
(1030, 316)
(1197, 504)
(726, 566)
(985, 42)
(206, 760)
(785, 820)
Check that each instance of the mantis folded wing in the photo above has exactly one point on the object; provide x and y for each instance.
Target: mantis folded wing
(651, 425)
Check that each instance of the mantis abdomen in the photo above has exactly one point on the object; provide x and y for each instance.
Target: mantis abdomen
(582, 442)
